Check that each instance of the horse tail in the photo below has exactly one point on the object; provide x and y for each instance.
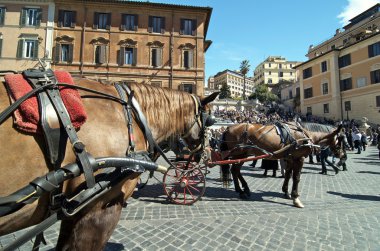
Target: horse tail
(225, 173)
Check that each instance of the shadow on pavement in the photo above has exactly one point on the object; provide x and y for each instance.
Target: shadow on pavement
(369, 172)
(114, 246)
(356, 196)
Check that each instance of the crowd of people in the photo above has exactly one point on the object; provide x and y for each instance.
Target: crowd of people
(350, 138)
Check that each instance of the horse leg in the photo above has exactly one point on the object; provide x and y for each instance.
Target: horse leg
(298, 164)
(243, 182)
(92, 228)
(235, 170)
(288, 173)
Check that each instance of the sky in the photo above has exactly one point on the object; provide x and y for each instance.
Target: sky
(255, 29)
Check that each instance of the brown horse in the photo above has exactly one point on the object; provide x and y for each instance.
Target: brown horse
(169, 113)
(243, 140)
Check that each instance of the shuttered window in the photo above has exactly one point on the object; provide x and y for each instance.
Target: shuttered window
(63, 53)
(128, 56)
(326, 108)
(375, 77)
(156, 57)
(324, 66)
(27, 49)
(129, 22)
(188, 59)
(344, 60)
(346, 84)
(187, 87)
(188, 27)
(307, 73)
(156, 24)
(66, 18)
(374, 49)
(2, 15)
(100, 54)
(325, 88)
(308, 93)
(102, 21)
(30, 17)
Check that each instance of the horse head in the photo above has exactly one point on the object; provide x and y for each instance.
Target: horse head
(195, 136)
(332, 141)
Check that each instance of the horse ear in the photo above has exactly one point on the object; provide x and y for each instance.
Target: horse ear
(338, 129)
(209, 98)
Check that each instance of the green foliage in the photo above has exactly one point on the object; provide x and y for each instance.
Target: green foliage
(225, 91)
(263, 94)
(244, 69)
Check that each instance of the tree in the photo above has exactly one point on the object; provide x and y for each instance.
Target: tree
(263, 94)
(225, 91)
(244, 69)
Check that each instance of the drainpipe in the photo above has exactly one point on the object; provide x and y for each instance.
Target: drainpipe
(340, 91)
(82, 43)
(171, 45)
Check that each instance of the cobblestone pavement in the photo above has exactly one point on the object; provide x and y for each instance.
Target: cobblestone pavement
(342, 212)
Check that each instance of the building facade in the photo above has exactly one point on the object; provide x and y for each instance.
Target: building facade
(26, 33)
(235, 81)
(341, 79)
(159, 44)
(273, 70)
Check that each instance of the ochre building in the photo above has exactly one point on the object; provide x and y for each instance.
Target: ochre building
(341, 79)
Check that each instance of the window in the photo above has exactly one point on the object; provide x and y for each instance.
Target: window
(326, 108)
(1, 44)
(297, 92)
(324, 66)
(156, 57)
(280, 66)
(344, 60)
(374, 49)
(361, 81)
(156, 83)
(270, 73)
(102, 21)
(188, 59)
(156, 24)
(347, 105)
(66, 18)
(129, 22)
(64, 53)
(128, 56)
(346, 84)
(290, 94)
(291, 73)
(27, 48)
(291, 66)
(2, 15)
(325, 88)
(307, 73)
(309, 110)
(308, 93)
(377, 101)
(188, 27)
(281, 74)
(333, 47)
(375, 77)
(187, 87)
(30, 17)
(270, 65)
(269, 81)
(100, 54)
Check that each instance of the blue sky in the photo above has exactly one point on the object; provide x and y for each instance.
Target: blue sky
(256, 29)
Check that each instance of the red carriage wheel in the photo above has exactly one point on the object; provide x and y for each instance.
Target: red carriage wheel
(184, 185)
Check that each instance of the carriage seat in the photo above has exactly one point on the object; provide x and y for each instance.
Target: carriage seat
(27, 116)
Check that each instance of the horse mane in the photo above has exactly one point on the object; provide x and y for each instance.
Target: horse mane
(164, 108)
(315, 127)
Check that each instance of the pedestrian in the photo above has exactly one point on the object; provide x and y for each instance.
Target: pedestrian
(363, 140)
(349, 139)
(267, 164)
(356, 137)
(325, 153)
(343, 143)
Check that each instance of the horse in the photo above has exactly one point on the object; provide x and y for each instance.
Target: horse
(169, 113)
(289, 142)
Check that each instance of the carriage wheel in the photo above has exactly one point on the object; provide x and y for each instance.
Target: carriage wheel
(184, 185)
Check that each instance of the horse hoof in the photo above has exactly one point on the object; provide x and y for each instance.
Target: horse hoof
(287, 196)
(298, 203)
(243, 196)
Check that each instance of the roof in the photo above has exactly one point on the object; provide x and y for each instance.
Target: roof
(208, 10)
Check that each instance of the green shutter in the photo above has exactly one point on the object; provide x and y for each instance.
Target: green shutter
(191, 58)
(39, 17)
(134, 61)
(122, 56)
(71, 53)
(150, 24)
(136, 22)
(159, 57)
(108, 27)
(163, 25)
(370, 51)
(57, 52)
(74, 19)
(23, 17)
(96, 19)
(20, 48)
(60, 18)
(35, 50)
(102, 54)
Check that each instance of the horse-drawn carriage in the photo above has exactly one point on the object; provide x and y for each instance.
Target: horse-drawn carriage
(74, 152)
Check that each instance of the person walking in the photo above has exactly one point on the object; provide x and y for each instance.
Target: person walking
(325, 153)
(363, 140)
(356, 137)
(343, 143)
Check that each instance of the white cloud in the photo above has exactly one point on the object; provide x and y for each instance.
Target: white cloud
(354, 8)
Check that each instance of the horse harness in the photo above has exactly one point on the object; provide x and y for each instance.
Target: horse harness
(57, 128)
